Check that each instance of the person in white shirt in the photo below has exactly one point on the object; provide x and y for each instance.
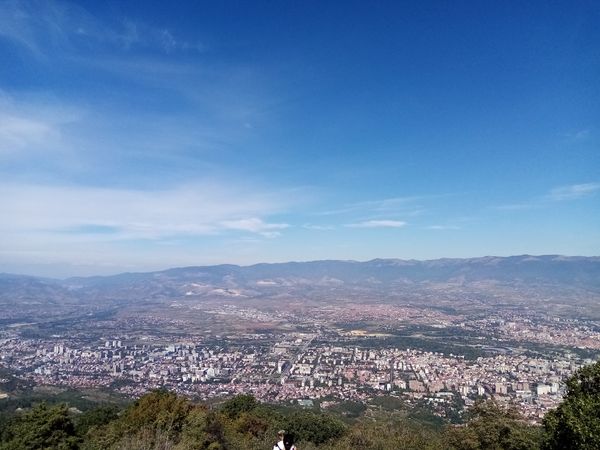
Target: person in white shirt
(283, 443)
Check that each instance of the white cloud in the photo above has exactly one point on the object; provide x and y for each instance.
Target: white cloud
(561, 193)
(14, 25)
(47, 28)
(378, 224)
(255, 225)
(443, 227)
(516, 207)
(382, 205)
(17, 132)
(68, 230)
(30, 126)
(581, 135)
(578, 136)
(309, 226)
(573, 192)
(70, 214)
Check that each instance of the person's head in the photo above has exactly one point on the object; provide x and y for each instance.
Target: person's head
(281, 434)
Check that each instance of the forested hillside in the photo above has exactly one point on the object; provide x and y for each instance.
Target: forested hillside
(163, 420)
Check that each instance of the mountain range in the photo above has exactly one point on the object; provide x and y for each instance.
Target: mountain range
(304, 278)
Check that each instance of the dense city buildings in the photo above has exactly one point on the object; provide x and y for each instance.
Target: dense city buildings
(323, 362)
(438, 334)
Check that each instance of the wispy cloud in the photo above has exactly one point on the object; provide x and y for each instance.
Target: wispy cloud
(310, 226)
(61, 140)
(255, 225)
(516, 206)
(573, 192)
(557, 194)
(378, 224)
(29, 126)
(382, 205)
(210, 105)
(47, 27)
(17, 132)
(123, 214)
(578, 136)
(443, 227)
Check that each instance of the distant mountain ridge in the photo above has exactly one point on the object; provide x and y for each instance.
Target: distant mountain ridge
(266, 278)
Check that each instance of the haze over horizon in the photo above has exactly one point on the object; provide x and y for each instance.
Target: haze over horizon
(140, 136)
(107, 273)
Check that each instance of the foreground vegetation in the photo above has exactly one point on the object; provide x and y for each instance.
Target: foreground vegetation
(162, 420)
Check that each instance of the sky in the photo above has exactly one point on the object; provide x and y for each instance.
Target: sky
(144, 135)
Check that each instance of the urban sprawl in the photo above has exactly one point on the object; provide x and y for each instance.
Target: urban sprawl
(302, 367)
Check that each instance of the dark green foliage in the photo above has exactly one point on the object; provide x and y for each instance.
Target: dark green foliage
(316, 428)
(349, 409)
(251, 424)
(454, 410)
(575, 424)
(384, 434)
(426, 417)
(161, 410)
(203, 430)
(162, 420)
(95, 418)
(156, 419)
(42, 427)
(239, 404)
(388, 403)
(27, 398)
(491, 427)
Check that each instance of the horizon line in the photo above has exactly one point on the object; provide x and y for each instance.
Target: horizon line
(523, 255)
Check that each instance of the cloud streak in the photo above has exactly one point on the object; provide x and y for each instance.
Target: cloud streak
(47, 27)
(125, 214)
(310, 226)
(255, 225)
(558, 194)
(382, 205)
(578, 136)
(573, 192)
(17, 132)
(32, 126)
(378, 224)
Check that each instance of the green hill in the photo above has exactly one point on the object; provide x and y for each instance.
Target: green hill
(162, 420)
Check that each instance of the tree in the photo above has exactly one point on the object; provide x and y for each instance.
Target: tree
(155, 420)
(159, 409)
(316, 428)
(42, 427)
(239, 404)
(495, 428)
(203, 430)
(388, 433)
(95, 418)
(575, 424)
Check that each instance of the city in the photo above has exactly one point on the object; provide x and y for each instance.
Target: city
(371, 225)
(322, 360)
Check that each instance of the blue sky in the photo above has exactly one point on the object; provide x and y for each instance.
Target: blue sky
(146, 135)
